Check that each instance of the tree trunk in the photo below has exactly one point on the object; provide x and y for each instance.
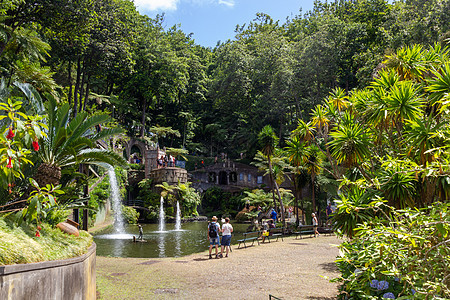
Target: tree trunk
(271, 183)
(297, 192)
(313, 194)
(83, 81)
(70, 82)
(281, 204)
(86, 94)
(144, 108)
(77, 86)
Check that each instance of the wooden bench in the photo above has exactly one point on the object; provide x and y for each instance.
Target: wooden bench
(275, 233)
(249, 236)
(304, 229)
(325, 230)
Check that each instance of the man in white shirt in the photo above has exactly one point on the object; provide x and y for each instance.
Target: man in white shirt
(227, 229)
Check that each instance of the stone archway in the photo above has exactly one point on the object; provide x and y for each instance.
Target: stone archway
(141, 146)
(223, 178)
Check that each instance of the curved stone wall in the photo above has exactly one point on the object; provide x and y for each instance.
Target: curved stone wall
(72, 278)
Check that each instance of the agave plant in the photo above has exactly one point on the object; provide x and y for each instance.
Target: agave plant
(72, 142)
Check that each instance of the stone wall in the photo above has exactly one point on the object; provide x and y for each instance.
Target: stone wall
(171, 175)
(72, 278)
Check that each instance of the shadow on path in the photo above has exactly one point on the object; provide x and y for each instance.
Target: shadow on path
(330, 267)
(201, 259)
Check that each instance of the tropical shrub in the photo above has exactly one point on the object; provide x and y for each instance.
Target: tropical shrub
(19, 244)
(41, 201)
(20, 133)
(404, 254)
(130, 215)
(189, 199)
(217, 201)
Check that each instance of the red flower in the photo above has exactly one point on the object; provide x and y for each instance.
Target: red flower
(9, 165)
(35, 145)
(37, 233)
(10, 134)
(39, 227)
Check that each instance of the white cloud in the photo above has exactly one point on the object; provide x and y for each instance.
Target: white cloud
(168, 5)
(229, 3)
(151, 5)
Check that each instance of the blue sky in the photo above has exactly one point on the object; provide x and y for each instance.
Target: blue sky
(214, 20)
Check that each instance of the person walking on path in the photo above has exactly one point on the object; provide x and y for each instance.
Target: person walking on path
(213, 236)
(315, 224)
(227, 229)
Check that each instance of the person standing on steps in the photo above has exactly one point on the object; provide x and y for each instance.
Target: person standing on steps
(213, 236)
(315, 224)
(227, 229)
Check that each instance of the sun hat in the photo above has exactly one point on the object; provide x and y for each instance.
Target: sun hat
(214, 218)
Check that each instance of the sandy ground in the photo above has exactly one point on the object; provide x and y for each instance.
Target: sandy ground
(289, 269)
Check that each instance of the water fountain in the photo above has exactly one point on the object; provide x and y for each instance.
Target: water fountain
(116, 202)
(162, 220)
(178, 218)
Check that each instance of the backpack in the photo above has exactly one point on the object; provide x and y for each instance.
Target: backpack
(212, 230)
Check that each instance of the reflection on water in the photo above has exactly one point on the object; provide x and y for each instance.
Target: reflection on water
(170, 243)
(177, 242)
(162, 244)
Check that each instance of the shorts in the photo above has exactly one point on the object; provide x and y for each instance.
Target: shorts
(214, 241)
(226, 239)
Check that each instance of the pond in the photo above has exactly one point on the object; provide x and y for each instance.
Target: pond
(192, 238)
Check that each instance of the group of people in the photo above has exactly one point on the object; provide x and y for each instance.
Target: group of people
(135, 159)
(166, 161)
(214, 239)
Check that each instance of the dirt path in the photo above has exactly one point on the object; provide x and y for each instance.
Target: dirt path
(289, 269)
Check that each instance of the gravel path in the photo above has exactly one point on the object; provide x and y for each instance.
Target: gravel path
(289, 269)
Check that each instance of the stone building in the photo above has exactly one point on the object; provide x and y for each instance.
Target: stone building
(230, 176)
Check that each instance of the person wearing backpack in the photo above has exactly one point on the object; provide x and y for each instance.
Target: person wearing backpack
(213, 236)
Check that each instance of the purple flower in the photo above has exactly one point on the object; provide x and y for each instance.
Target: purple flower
(389, 296)
(382, 285)
(413, 291)
(397, 279)
(374, 283)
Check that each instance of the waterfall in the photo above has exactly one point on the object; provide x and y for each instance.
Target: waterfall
(116, 201)
(178, 218)
(162, 221)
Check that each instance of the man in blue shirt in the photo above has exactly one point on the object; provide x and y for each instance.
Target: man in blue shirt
(273, 215)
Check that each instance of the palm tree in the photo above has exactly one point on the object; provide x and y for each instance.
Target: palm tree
(72, 142)
(314, 167)
(298, 153)
(268, 141)
(439, 87)
(350, 144)
(319, 118)
(338, 99)
(408, 62)
(404, 103)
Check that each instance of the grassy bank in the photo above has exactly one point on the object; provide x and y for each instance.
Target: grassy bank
(19, 245)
